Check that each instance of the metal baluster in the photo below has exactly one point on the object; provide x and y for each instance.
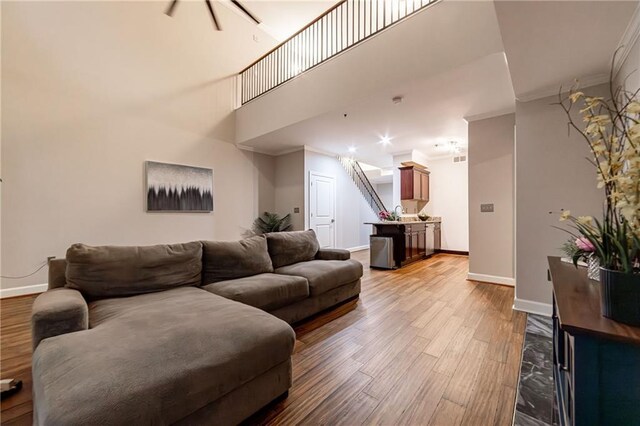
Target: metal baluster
(370, 3)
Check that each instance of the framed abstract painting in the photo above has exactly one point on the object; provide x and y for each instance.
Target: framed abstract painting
(178, 188)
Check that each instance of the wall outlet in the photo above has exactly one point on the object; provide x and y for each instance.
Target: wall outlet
(486, 208)
(296, 209)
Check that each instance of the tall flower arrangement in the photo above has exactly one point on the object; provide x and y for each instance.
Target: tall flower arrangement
(611, 128)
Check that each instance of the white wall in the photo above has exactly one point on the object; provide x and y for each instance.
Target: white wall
(552, 173)
(398, 159)
(385, 192)
(90, 90)
(448, 198)
(289, 187)
(491, 180)
(266, 180)
(629, 72)
(351, 208)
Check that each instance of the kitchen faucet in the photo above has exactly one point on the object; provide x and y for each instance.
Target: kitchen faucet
(396, 210)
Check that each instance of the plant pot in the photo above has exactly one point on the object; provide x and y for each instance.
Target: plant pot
(620, 296)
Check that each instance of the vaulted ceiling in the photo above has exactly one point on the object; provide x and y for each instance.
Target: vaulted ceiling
(538, 46)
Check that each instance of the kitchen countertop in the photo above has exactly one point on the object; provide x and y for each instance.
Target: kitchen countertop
(389, 222)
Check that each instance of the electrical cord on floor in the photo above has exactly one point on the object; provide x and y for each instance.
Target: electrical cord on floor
(25, 276)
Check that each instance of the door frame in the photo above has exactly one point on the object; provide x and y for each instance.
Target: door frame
(313, 173)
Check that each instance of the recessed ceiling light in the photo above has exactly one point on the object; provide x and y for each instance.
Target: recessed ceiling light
(385, 140)
(352, 149)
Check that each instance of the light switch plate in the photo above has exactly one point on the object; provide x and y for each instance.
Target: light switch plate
(486, 208)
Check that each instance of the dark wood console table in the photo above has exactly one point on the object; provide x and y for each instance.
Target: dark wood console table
(596, 360)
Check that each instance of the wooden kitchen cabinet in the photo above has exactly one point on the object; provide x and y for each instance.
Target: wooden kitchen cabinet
(414, 184)
(412, 241)
(424, 186)
(415, 242)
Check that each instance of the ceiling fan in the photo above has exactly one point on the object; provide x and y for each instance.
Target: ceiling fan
(216, 22)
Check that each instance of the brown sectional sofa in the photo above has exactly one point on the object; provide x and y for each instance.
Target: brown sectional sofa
(285, 274)
(185, 333)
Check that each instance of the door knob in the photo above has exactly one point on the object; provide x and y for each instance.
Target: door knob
(333, 220)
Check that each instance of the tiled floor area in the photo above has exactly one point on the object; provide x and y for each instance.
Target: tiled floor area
(535, 403)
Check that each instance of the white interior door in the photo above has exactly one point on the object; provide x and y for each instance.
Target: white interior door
(322, 208)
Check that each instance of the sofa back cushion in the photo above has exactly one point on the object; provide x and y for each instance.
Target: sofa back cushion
(228, 260)
(113, 271)
(287, 248)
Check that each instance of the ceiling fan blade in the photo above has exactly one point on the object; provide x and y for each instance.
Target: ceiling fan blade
(169, 10)
(246, 11)
(213, 15)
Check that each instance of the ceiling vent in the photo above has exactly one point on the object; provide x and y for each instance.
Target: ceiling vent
(460, 159)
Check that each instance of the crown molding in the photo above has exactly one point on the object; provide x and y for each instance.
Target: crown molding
(588, 81)
(628, 39)
(253, 149)
(490, 114)
(272, 153)
(289, 150)
(319, 151)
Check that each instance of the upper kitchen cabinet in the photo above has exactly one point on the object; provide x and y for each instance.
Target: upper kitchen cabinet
(414, 184)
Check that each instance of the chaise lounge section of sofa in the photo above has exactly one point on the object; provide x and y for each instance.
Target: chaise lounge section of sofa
(285, 274)
(145, 345)
(183, 333)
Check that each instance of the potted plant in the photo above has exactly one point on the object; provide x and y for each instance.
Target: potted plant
(271, 222)
(612, 131)
(387, 216)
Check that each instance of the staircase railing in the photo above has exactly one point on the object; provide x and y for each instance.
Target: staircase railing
(343, 26)
(363, 184)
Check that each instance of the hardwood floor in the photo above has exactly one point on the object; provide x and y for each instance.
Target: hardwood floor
(422, 346)
(15, 357)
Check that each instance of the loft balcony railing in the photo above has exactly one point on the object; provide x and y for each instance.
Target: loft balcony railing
(338, 29)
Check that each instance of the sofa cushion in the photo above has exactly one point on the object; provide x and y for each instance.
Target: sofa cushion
(226, 260)
(333, 254)
(264, 291)
(324, 275)
(155, 358)
(112, 271)
(286, 248)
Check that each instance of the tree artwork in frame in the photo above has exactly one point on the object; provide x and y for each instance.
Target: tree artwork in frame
(178, 188)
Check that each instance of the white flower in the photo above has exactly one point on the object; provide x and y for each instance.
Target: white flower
(585, 220)
(633, 107)
(575, 96)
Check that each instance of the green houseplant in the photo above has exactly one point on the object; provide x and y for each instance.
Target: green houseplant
(612, 131)
(271, 222)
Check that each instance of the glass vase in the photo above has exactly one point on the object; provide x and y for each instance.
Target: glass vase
(593, 267)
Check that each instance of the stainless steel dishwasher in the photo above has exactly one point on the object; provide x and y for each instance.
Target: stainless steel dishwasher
(381, 252)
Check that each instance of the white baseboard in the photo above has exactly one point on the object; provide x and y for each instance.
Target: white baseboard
(358, 248)
(493, 279)
(531, 307)
(23, 291)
